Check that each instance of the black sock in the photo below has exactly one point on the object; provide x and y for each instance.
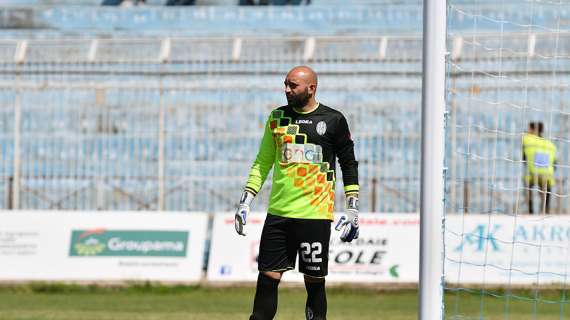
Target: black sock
(316, 307)
(265, 303)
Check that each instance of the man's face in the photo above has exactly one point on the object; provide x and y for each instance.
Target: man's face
(297, 91)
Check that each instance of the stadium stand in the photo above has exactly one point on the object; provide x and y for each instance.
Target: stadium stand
(170, 118)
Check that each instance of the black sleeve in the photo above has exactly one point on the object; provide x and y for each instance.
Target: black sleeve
(344, 149)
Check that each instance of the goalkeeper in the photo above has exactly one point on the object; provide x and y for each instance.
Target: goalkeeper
(539, 155)
(301, 142)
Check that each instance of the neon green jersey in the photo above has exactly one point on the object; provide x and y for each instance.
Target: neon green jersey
(540, 155)
(302, 150)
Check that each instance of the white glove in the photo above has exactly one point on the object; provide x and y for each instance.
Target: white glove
(240, 218)
(349, 221)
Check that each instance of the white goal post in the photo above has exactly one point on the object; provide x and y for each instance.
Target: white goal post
(433, 151)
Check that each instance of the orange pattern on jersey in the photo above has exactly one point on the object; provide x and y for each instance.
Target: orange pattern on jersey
(311, 178)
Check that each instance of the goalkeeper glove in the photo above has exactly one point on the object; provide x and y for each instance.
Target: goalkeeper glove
(240, 218)
(348, 223)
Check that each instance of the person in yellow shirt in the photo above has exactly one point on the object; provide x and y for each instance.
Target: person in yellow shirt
(539, 155)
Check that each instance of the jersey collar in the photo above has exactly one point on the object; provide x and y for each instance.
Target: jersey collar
(307, 112)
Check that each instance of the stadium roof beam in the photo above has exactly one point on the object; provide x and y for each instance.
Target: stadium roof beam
(457, 47)
(309, 51)
(382, 48)
(92, 54)
(21, 49)
(531, 44)
(236, 49)
(165, 49)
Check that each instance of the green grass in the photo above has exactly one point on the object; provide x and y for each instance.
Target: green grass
(498, 304)
(48, 301)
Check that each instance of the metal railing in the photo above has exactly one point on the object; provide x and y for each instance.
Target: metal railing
(154, 124)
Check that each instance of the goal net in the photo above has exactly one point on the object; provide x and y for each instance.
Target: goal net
(506, 228)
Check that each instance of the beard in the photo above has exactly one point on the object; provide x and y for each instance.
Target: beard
(300, 100)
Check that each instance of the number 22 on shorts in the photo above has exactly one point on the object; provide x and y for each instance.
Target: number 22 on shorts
(310, 251)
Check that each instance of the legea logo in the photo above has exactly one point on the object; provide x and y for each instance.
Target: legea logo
(301, 153)
(140, 243)
(479, 238)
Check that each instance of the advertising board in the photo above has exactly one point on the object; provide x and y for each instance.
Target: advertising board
(59, 245)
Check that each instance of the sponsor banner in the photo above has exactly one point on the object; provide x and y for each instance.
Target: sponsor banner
(386, 251)
(125, 243)
(51, 245)
(501, 249)
(479, 249)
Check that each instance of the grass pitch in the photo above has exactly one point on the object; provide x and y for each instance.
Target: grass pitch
(71, 302)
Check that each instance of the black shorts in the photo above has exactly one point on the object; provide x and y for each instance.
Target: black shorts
(282, 238)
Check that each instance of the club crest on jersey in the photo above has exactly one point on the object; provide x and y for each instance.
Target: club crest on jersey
(321, 128)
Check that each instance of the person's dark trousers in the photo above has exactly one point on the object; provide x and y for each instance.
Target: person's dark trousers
(265, 303)
(111, 2)
(180, 2)
(529, 198)
(545, 193)
(316, 306)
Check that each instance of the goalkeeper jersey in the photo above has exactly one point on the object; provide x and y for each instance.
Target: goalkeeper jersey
(302, 149)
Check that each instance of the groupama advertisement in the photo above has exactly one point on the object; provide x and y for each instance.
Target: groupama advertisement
(128, 243)
(102, 246)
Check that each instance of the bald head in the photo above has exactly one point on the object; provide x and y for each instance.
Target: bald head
(305, 73)
(301, 87)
